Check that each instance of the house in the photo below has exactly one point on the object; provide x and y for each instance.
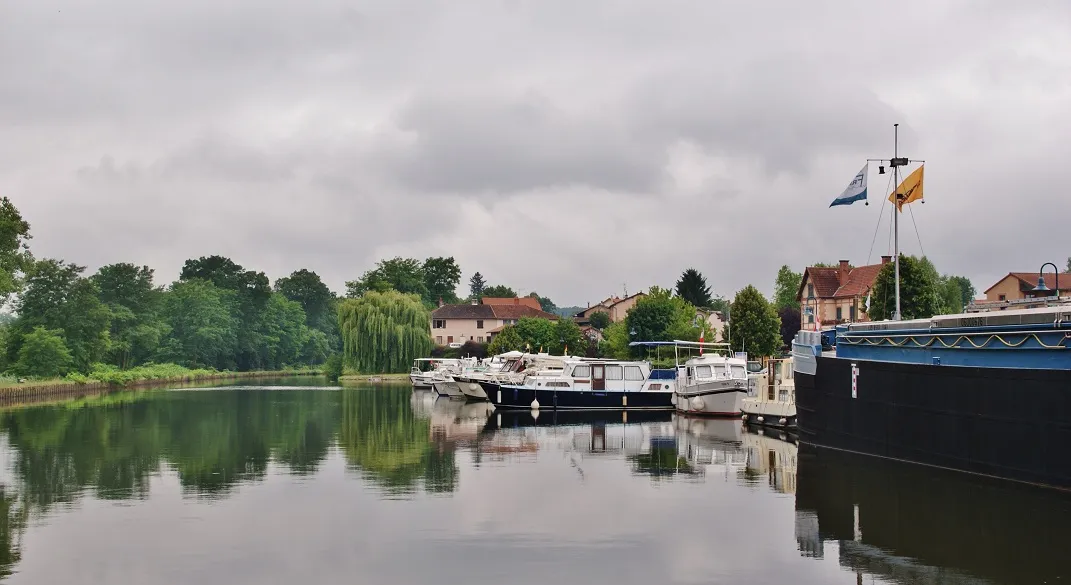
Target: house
(829, 296)
(1017, 286)
(615, 307)
(716, 320)
(480, 322)
(526, 301)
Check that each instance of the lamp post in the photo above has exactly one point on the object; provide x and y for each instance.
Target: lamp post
(1041, 280)
(814, 321)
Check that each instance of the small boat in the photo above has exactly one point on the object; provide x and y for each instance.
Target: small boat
(512, 369)
(711, 384)
(772, 399)
(587, 384)
(422, 374)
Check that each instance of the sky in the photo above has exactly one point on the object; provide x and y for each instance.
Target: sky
(576, 149)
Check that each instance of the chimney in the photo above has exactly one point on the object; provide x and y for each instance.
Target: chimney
(516, 301)
(475, 302)
(842, 272)
(886, 259)
(440, 301)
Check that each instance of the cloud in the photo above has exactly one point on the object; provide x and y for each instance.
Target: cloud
(573, 149)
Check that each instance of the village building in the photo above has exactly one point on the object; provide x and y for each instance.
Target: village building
(480, 322)
(834, 295)
(1018, 286)
(615, 307)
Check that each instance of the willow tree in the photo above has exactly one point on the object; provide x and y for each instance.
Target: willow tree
(384, 331)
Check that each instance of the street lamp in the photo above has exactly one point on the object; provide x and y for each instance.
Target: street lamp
(808, 303)
(1041, 288)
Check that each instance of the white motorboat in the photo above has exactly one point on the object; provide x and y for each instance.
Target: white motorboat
(710, 383)
(772, 399)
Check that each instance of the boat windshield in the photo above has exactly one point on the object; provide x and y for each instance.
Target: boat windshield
(739, 373)
(703, 372)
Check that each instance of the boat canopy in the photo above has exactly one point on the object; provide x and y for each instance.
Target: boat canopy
(677, 343)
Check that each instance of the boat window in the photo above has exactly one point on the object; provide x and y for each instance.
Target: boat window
(613, 372)
(633, 374)
(703, 372)
(582, 372)
(739, 373)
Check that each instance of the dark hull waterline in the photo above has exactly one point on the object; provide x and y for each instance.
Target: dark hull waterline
(513, 397)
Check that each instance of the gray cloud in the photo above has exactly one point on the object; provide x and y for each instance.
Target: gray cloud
(567, 148)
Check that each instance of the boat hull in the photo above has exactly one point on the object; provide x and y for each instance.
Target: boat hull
(520, 397)
(1002, 422)
(419, 382)
(447, 388)
(713, 399)
(769, 413)
(471, 389)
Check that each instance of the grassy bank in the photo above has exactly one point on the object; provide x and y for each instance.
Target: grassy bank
(104, 376)
(354, 377)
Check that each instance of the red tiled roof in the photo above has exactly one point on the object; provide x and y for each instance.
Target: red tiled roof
(859, 281)
(466, 311)
(519, 311)
(1028, 280)
(824, 281)
(526, 301)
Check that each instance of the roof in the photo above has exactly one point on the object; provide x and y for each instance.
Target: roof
(469, 311)
(1028, 280)
(609, 303)
(527, 301)
(827, 284)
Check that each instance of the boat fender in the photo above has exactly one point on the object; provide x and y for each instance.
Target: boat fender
(474, 387)
(698, 403)
(782, 421)
(760, 419)
(744, 416)
(535, 404)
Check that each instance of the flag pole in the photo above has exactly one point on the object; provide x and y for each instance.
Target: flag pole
(896, 217)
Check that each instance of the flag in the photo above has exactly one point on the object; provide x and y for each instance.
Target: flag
(856, 190)
(908, 191)
(701, 334)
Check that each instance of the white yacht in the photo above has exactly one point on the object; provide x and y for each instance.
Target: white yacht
(710, 383)
(580, 383)
(772, 399)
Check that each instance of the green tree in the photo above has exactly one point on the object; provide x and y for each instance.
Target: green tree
(918, 291)
(307, 289)
(507, 340)
(1069, 263)
(283, 334)
(499, 291)
(384, 331)
(692, 287)
(136, 329)
(43, 354)
(58, 297)
(570, 338)
(441, 277)
(203, 331)
(14, 254)
(615, 340)
(546, 304)
(966, 288)
(476, 286)
(405, 275)
(786, 286)
(754, 323)
(600, 320)
(660, 316)
(539, 334)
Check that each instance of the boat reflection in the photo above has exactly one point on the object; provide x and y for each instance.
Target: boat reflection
(907, 523)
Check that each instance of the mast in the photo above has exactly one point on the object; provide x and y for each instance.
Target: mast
(896, 216)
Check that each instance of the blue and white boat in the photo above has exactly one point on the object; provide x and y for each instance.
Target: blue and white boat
(583, 383)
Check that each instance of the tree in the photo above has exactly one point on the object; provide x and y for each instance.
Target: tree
(790, 324)
(570, 338)
(546, 304)
(600, 320)
(307, 289)
(57, 297)
(384, 331)
(967, 291)
(128, 292)
(660, 316)
(786, 286)
(405, 275)
(507, 340)
(499, 292)
(441, 277)
(538, 334)
(1069, 263)
(693, 288)
(15, 257)
(252, 292)
(615, 340)
(476, 286)
(43, 354)
(918, 291)
(203, 331)
(754, 324)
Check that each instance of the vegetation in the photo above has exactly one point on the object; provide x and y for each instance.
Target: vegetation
(441, 277)
(536, 334)
(384, 332)
(786, 286)
(791, 322)
(334, 367)
(546, 304)
(14, 253)
(919, 296)
(498, 291)
(43, 354)
(692, 287)
(600, 320)
(476, 286)
(755, 326)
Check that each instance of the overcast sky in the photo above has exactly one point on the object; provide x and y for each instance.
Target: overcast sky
(572, 148)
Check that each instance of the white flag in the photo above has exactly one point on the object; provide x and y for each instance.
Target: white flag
(856, 189)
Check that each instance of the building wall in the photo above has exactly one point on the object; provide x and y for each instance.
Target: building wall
(462, 330)
(619, 311)
(1007, 286)
(718, 326)
(827, 311)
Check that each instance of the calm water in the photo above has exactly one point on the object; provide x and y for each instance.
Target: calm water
(290, 484)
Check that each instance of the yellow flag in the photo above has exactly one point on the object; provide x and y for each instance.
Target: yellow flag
(908, 191)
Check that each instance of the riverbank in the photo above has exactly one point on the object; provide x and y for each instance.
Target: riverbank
(12, 393)
(375, 378)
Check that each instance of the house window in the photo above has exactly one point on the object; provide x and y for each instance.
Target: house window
(450, 339)
(479, 339)
(839, 314)
(810, 315)
(479, 323)
(439, 340)
(438, 324)
(613, 372)
(851, 312)
(810, 291)
(1003, 297)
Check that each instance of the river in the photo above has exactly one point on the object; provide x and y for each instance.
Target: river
(293, 481)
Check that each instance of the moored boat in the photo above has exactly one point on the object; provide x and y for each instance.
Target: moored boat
(588, 384)
(771, 401)
(710, 383)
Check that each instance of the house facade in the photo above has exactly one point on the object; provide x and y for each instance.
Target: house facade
(615, 307)
(452, 324)
(829, 296)
(1017, 286)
